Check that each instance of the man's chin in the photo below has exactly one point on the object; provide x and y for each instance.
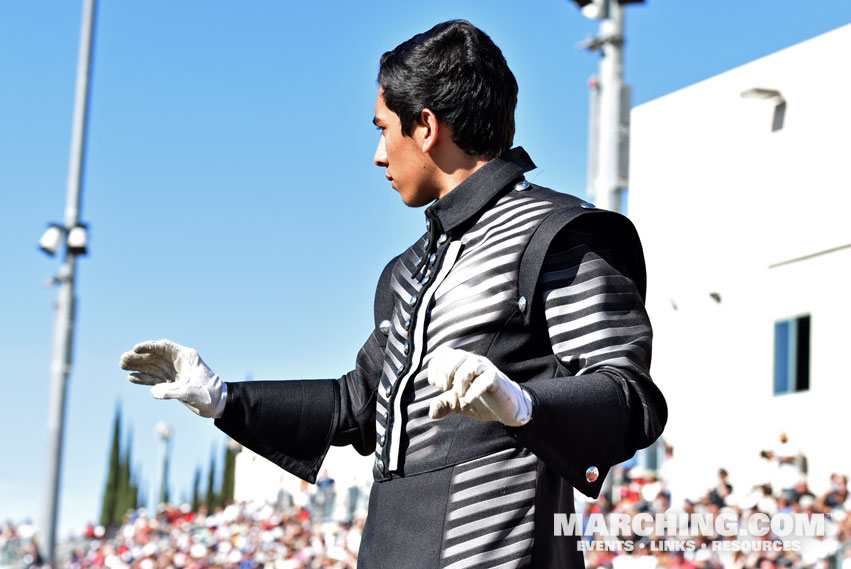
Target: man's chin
(414, 201)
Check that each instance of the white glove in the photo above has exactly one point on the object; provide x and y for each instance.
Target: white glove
(474, 387)
(176, 372)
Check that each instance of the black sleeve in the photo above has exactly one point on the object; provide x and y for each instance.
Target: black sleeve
(293, 423)
(603, 406)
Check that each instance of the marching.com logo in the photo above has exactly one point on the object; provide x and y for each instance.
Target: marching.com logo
(670, 531)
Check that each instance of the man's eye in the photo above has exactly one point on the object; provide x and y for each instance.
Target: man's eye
(379, 128)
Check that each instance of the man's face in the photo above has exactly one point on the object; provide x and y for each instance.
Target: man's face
(402, 157)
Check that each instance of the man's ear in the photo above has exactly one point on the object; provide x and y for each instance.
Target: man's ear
(430, 129)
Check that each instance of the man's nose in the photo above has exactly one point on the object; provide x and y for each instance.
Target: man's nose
(380, 157)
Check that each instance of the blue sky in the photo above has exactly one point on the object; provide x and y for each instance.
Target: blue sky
(231, 195)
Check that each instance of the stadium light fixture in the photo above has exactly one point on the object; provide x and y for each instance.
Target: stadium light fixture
(52, 239)
(763, 93)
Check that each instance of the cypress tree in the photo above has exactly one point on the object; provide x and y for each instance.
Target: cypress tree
(121, 488)
(196, 490)
(124, 500)
(110, 491)
(210, 499)
(133, 495)
(164, 494)
(228, 474)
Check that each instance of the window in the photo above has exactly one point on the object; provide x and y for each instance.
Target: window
(792, 355)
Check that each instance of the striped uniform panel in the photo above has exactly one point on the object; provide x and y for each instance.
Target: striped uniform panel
(403, 288)
(478, 294)
(595, 316)
(491, 511)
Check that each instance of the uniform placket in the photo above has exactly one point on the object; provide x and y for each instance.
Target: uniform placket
(439, 254)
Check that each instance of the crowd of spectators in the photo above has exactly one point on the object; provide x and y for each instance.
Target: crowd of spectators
(240, 536)
(265, 536)
(642, 492)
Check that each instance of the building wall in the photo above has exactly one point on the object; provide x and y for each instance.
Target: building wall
(257, 479)
(725, 204)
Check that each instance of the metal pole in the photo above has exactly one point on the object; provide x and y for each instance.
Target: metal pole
(608, 188)
(163, 432)
(63, 331)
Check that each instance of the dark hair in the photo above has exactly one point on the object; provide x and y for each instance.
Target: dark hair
(457, 71)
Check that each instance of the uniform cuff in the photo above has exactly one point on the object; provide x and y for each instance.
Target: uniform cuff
(223, 401)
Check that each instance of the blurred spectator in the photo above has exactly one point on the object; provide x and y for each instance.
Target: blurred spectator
(718, 495)
(790, 461)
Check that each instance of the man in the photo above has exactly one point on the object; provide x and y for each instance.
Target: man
(509, 360)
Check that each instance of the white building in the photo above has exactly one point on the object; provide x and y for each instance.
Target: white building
(258, 479)
(740, 189)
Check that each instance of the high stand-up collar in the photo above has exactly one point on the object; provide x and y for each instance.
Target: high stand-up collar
(469, 197)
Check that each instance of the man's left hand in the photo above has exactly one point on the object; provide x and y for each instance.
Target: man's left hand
(473, 386)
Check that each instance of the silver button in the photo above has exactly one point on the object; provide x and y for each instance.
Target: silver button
(587, 205)
(418, 261)
(381, 438)
(400, 369)
(384, 326)
(379, 464)
(442, 239)
(521, 304)
(432, 258)
(405, 348)
(413, 300)
(521, 185)
(407, 324)
(428, 224)
(388, 390)
(592, 474)
(385, 416)
(426, 242)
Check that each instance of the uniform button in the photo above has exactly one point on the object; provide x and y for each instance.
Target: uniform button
(521, 304)
(379, 464)
(442, 239)
(432, 258)
(428, 224)
(521, 185)
(418, 261)
(388, 390)
(426, 242)
(405, 348)
(384, 416)
(592, 474)
(381, 438)
(426, 278)
(587, 205)
(384, 326)
(407, 324)
(400, 369)
(413, 300)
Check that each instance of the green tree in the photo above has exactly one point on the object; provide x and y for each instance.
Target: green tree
(229, 473)
(164, 494)
(210, 499)
(196, 490)
(124, 499)
(110, 491)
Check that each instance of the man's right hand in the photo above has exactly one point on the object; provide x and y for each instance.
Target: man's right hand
(176, 372)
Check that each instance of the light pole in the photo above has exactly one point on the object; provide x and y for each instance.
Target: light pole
(608, 137)
(74, 236)
(163, 431)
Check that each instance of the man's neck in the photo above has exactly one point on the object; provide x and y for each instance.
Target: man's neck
(456, 167)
